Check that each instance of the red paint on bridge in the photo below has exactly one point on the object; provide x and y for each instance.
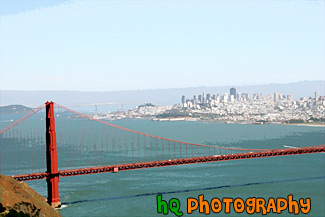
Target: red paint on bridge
(174, 162)
(143, 140)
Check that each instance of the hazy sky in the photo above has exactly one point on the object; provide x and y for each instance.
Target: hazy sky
(125, 45)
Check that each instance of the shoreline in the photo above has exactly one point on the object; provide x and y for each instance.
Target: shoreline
(219, 121)
(307, 125)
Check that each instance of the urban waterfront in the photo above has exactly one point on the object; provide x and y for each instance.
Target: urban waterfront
(132, 193)
(232, 108)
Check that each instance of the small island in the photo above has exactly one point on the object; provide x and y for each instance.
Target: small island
(14, 109)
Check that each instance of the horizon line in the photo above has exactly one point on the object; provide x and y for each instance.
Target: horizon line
(202, 86)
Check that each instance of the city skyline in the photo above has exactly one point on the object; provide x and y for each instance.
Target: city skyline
(233, 96)
(275, 108)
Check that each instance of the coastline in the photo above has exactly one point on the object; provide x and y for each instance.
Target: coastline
(172, 119)
(306, 125)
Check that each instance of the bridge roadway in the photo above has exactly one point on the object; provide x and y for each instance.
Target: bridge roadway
(174, 162)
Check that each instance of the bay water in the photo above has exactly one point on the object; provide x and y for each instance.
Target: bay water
(133, 193)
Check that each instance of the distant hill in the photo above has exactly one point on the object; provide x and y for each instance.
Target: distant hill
(156, 96)
(14, 109)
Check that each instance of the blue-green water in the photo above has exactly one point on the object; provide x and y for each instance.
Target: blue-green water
(132, 193)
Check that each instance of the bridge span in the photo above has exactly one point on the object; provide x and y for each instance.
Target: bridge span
(174, 162)
(83, 145)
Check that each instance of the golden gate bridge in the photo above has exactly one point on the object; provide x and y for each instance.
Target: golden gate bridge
(54, 141)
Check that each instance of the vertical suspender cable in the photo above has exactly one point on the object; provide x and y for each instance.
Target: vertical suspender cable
(150, 139)
(138, 146)
(157, 149)
(132, 147)
(145, 146)
(163, 148)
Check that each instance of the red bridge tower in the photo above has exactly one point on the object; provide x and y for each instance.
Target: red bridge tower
(51, 158)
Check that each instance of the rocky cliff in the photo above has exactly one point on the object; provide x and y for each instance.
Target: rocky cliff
(18, 199)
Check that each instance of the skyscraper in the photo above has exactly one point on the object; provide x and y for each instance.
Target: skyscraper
(233, 92)
(208, 97)
(290, 97)
(200, 98)
(316, 96)
(276, 97)
(245, 96)
(195, 99)
(203, 98)
(183, 99)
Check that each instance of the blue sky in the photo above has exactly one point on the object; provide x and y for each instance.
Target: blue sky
(127, 45)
